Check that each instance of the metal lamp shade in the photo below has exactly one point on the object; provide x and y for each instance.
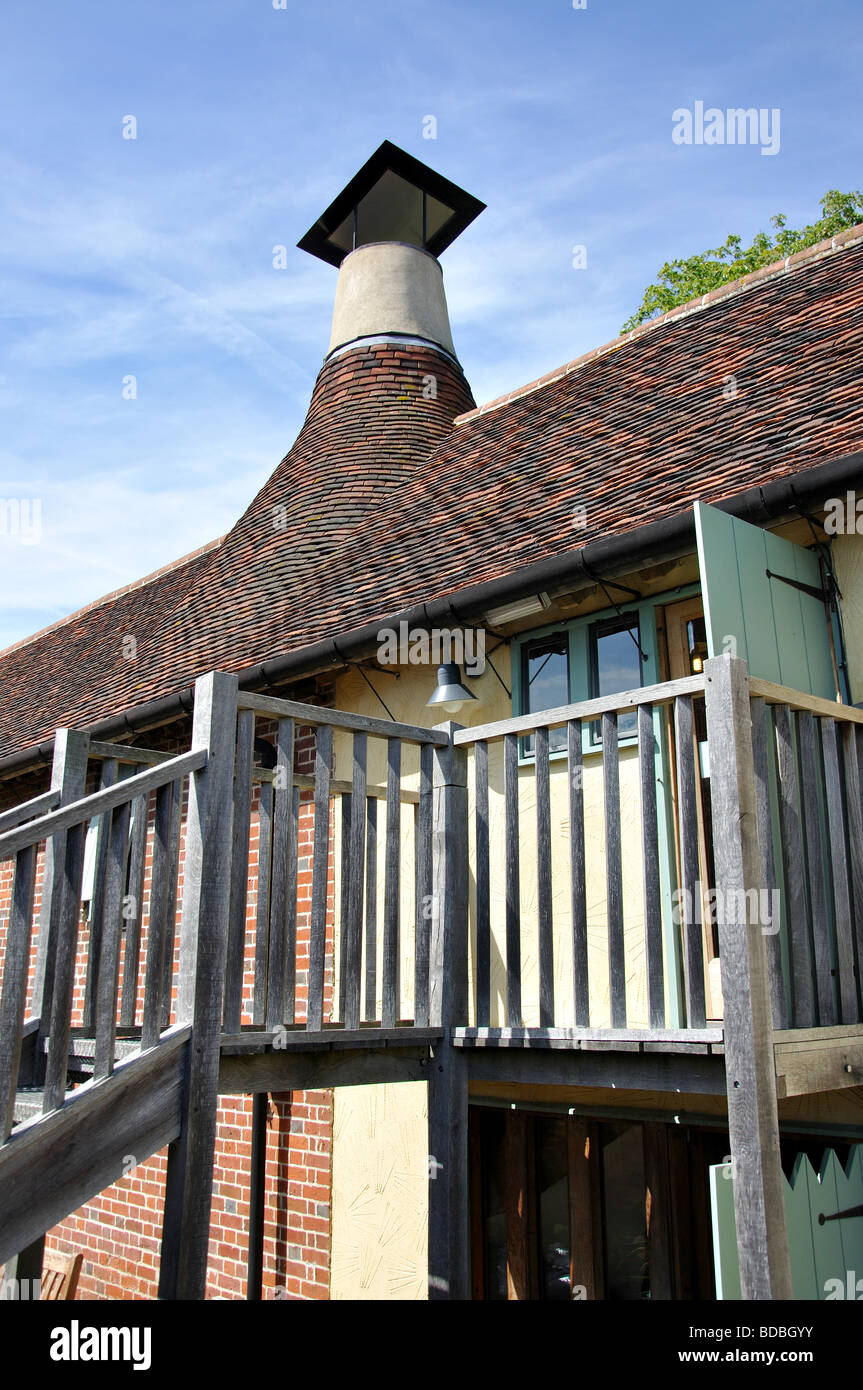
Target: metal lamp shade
(449, 690)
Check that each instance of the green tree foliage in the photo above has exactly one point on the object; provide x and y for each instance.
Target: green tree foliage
(682, 280)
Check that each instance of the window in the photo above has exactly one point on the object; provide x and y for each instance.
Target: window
(567, 1206)
(603, 654)
(615, 665)
(545, 683)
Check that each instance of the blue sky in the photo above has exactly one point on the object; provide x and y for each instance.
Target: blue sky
(153, 257)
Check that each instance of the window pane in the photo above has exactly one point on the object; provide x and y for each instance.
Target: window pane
(494, 1215)
(624, 1212)
(552, 1171)
(617, 667)
(545, 675)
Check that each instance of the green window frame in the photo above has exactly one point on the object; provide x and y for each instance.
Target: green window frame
(583, 677)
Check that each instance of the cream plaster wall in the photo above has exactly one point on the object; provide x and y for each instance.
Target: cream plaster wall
(380, 1138)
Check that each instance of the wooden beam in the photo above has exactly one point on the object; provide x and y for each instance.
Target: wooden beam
(602, 1066)
(315, 715)
(584, 710)
(315, 1071)
(449, 1228)
(203, 949)
(753, 1121)
(53, 1164)
(814, 704)
(26, 810)
(68, 780)
(810, 1066)
(122, 753)
(86, 807)
(236, 959)
(16, 961)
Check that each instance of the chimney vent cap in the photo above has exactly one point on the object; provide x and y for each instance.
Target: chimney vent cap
(394, 197)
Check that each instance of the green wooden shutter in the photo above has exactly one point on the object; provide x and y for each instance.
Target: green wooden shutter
(826, 1256)
(780, 631)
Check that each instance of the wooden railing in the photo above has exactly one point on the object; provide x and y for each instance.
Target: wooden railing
(661, 736)
(808, 757)
(302, 967)
(110, 999)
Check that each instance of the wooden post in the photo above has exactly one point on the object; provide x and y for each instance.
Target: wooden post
(753, 1120)
(449, 1238)
(69, 775)
(203, 954)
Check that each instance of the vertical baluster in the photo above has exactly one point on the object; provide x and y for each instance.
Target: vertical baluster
(352, 929)
(132, 914)
(345, 799)
(613, 871)
(320, 865)
(392, 981)
(371, 908)
(483, 904)
(110, 770)
(693, 945)
(109, 954)
(262, 908)
(157, 931)
(64, 969)
(803, 999)
(513, 904)
(235, 967)
(282, 961)
(543, 875)
(810, 775)
(423, 842)
(650, 868)
(760, 757)
(171, 906)
(577, 889)
(13, 999)
(837, 821)
(852, 736)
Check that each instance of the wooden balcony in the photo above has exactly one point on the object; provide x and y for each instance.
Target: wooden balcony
(544, 900)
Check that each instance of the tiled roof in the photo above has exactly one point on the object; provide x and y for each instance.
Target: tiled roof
(386, 504)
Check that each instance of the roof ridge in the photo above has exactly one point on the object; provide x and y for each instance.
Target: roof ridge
(818, 251)
(114, 594)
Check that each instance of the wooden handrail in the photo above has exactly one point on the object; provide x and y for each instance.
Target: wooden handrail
(313, 715)
(88, 806)
(662, 694)
(37, 806)
(796, 699)
(307, 783)
(124, 753)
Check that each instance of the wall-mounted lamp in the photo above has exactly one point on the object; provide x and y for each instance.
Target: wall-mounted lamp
(521, 608)
(449, 691)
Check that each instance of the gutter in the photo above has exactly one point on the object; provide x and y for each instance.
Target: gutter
(668, 538)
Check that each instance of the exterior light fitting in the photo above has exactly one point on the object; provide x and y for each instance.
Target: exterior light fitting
(521, 608)
(449, 691)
